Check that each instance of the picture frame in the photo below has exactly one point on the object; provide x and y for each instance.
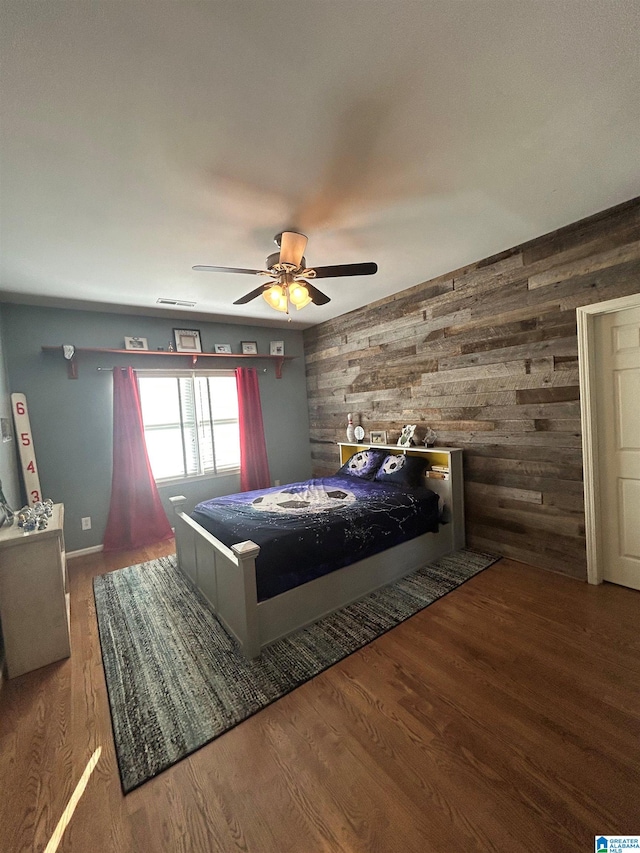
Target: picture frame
(135, 343)
(249, 347)
(406, 436)
(222, 349)
(378, 436)
(187, 340)
(276, 348)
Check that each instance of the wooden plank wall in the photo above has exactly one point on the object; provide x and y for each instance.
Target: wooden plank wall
(486, 356)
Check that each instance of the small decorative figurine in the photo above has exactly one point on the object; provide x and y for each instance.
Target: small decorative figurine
(429, 438)
(35, 517)
(351, 434)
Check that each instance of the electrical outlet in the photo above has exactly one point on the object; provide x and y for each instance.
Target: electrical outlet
(86, 522)
(276, 482)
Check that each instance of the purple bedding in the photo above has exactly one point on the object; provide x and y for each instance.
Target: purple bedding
(306, 530)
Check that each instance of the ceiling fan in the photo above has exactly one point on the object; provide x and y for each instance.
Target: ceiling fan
(289, 275)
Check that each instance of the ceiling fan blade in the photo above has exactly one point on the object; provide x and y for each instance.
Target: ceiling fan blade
(201, 268)
(292, 246)
(345, 269)
(253, 294)
(317, 296)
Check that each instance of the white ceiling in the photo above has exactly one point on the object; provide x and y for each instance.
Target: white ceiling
(141, 138)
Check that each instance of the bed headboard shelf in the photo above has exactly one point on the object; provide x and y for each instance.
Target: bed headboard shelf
(433, 455)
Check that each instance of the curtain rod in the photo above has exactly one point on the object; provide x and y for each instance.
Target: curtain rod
(160, 369)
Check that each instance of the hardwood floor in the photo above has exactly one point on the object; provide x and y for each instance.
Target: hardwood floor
(505, 717)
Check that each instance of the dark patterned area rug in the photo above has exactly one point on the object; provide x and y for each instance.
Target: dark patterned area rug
(176, 680)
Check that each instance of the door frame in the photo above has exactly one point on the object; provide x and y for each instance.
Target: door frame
(586, 317)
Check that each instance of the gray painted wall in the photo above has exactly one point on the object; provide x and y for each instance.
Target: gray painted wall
(8, 459)
(8, 462)
(71, 420)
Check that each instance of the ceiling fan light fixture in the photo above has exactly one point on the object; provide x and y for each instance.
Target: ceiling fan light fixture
(273, 295)
(299, 295)
(276, 297)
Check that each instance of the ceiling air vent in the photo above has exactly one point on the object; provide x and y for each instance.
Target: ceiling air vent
(180, 303)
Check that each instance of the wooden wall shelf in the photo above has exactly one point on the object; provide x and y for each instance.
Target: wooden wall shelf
(72, 363)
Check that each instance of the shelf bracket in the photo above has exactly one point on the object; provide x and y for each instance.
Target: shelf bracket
(72, 368)
(69, 353)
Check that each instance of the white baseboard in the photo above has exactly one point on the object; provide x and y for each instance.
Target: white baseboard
(94, 549)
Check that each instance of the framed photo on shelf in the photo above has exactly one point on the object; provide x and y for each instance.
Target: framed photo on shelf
(187, 340)
(135, 343)
(276, 348)
(378, 436)
(249, 347)
(222, 349)
(406, 436)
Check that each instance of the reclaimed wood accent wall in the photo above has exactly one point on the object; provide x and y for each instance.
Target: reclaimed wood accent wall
(488, 357)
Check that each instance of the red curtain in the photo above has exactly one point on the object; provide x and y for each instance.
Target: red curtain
(254, 466)
(136, 515)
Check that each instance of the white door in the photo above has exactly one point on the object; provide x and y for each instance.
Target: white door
(618, 417)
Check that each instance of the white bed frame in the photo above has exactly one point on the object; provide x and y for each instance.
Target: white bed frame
(227, 576)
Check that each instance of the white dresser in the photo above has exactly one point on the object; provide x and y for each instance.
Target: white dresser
(34, 598)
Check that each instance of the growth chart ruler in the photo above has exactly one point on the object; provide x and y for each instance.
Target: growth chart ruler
(27, 451)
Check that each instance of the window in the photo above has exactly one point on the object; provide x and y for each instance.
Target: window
(190, 422)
